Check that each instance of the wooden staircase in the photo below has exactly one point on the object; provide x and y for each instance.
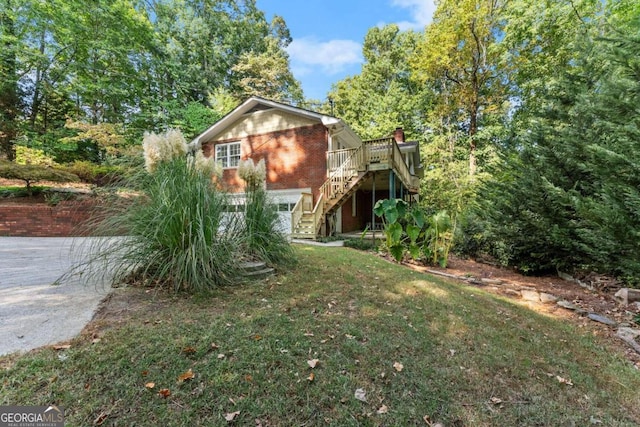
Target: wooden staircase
(350, 168)
(305, 227)
(341, 194)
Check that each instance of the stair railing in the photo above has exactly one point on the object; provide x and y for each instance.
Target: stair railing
(303, 204)
(340, 176)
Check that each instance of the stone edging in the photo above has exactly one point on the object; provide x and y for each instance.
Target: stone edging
(624, 331)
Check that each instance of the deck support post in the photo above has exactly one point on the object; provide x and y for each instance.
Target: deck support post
(373, 203)
(392, 185)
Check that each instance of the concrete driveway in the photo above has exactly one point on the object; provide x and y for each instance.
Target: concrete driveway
(34, 310)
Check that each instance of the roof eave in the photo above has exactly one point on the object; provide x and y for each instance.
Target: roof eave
(245, 107)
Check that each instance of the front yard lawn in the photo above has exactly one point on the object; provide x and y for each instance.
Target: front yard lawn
(296, 350)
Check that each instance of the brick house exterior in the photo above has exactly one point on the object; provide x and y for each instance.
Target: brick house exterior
(304, 152)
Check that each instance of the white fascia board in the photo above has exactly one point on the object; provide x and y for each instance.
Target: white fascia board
(339, 130)
(286, 195)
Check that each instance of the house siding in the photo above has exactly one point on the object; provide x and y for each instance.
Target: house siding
(263, 122)
(294, 157)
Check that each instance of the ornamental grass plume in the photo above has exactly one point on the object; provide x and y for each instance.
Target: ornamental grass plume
(260, 235)
(163, 148)
(205, 165)
(253, 174)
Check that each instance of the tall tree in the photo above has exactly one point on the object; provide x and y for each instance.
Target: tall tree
(382, 97)
(9, 97)
(459, 58)
(570, 195)
(267, 74)
(539, 40)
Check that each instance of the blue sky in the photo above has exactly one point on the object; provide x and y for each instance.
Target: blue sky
(328, 34)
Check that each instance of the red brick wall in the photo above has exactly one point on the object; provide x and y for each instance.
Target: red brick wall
(349, 222)
(295, 158)
(43, 220)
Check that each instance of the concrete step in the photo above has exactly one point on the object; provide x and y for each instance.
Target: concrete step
(303, 236)
(259, 274)
(252, 266)
(255, 270)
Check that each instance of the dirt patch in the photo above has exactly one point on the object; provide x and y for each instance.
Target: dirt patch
(123, 305)
(599, 301)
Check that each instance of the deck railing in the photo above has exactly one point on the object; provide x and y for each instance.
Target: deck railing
(386, 151)
(400, 166)
(305, 205)
(354, 161)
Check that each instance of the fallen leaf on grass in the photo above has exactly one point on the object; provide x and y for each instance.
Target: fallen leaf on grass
(165, 392)
(313, 363)
(62, 347)
(188, 350)
(221, 356)
(100, 419)
(430, 423)
(383, 409)
(496, 400)
(150, 385)
(398, 366)
(361, 395)
(231, 416)
(214, 346)
(189, 375)
(311, 377)
(563, 380)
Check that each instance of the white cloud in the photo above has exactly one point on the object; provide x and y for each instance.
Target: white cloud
(421, 13)
(307, 55)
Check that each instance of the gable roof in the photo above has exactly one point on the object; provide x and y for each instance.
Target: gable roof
(337, 128)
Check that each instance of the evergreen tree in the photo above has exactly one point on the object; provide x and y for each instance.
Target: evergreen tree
(569, 197)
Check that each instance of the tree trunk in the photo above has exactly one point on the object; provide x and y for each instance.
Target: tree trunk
(473, 130)
(9, 100)
(37, 91)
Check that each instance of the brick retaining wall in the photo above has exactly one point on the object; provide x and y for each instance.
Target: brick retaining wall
(43, 220)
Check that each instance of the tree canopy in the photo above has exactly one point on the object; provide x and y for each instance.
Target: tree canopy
(141, 65)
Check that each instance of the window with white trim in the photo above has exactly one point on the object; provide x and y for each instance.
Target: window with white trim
(228, 155)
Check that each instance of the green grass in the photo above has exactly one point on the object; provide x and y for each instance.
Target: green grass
(469, 358)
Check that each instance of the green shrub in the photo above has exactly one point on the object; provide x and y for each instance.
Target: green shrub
(100, 175)
(33, 173)
(411, 230)
(260, 235)
(32, 156)
(12, 192)
(360, 244)
(177, 235)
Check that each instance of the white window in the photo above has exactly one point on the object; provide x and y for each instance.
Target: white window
(228, 155)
